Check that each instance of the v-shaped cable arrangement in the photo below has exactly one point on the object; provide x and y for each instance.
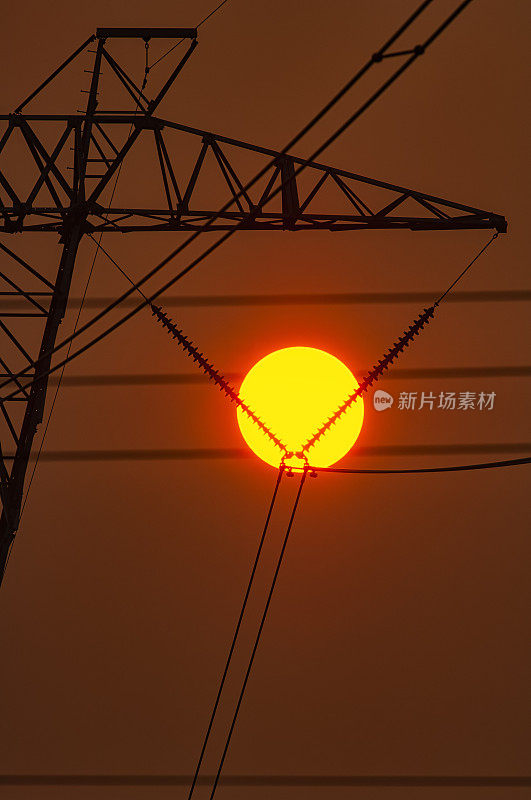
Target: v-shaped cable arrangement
(232, 394)
(373, 375)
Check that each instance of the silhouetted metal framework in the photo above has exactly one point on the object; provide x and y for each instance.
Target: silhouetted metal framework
(76, 156)
(388, 206)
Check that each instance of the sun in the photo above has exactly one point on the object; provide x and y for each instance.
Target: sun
(293, 391)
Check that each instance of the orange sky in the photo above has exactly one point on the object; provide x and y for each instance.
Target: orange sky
(396, 642)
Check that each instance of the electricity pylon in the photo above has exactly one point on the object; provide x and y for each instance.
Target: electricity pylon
(75, 157)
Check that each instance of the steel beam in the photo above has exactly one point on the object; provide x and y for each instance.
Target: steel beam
(295, 209)
(146, 33)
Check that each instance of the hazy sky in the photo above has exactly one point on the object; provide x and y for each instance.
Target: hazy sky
(396, 642)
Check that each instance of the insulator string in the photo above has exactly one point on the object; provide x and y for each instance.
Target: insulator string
(373, 375)
(214, 375)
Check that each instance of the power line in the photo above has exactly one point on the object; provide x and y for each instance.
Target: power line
(394, 352)
(329, 781)
(217, 8)
(221, 453)
(373, 375)
(217, 777)
(76, 323)
(236, 633)
(418, 50)
(374, 59)
(199, 379)
(515, 462)
(295, 299)
(468, 266)
(259, 634)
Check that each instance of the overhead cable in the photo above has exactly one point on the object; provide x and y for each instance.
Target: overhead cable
(235, 635)
(385, 362)
(513, 462)
(258, 636)
(226, 236)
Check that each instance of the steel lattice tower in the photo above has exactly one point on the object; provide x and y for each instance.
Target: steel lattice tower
(70, 198)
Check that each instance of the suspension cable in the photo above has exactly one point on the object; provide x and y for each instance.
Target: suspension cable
(217, 8)
(384, 363)
(463, 273)
(258, 635)
(513, 462)
(236, 633)
(373, 375)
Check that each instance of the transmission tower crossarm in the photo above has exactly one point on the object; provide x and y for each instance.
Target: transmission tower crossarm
(365, 203)
(146, 33)
(287, 192)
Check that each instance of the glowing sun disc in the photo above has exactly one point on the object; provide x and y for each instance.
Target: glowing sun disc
(293, 391)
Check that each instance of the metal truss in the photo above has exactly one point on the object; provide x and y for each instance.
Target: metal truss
(60, 183)
(294, 201)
